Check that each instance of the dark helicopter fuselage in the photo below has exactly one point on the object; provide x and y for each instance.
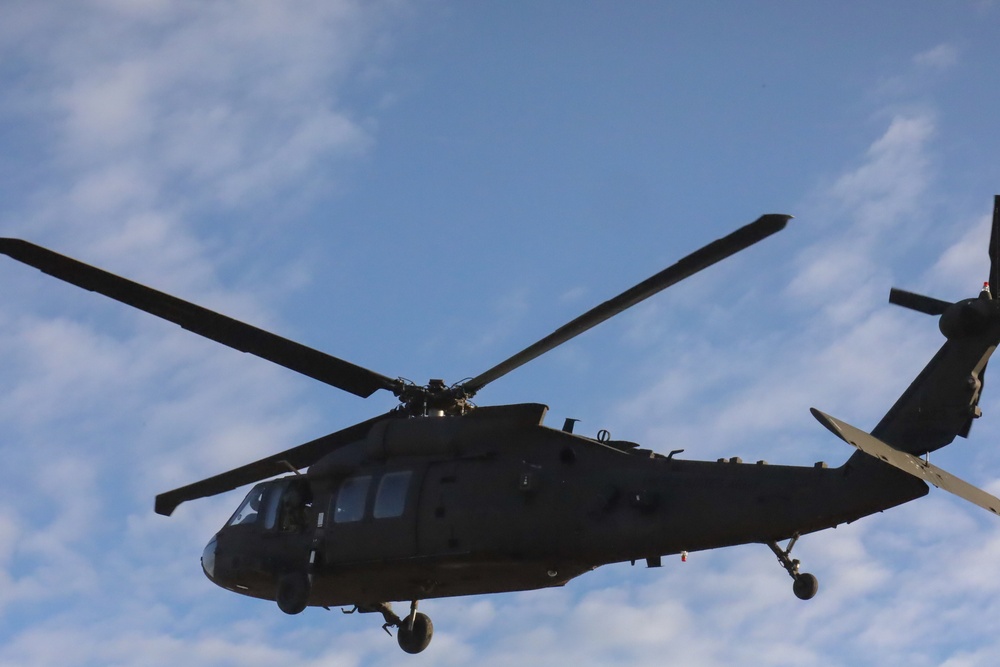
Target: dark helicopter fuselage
(494, 501)
(438, 498)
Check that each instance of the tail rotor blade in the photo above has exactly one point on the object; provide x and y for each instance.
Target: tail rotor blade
(995, 249)
(917, 302)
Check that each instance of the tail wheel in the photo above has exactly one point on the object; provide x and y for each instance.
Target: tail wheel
(805, 586)
(415, 634)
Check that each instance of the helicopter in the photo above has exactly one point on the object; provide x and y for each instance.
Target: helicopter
(439, 497)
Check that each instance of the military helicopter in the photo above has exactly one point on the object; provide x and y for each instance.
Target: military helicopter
(440, 498)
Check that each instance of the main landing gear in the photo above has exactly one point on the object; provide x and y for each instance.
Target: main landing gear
(413, 632)
(804, 584)
(293, 592)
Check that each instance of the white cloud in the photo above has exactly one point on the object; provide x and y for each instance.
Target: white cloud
(941, 57)
(169, 112)
(890, 183)
(964, 266)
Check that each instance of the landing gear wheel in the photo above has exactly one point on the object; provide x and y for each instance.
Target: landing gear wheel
(293, 592)
(805, 586)
(413, 637)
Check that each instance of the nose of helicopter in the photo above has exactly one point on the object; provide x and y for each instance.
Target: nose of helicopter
(208, 558)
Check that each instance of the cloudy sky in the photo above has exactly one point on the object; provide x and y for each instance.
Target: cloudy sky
(424, 188)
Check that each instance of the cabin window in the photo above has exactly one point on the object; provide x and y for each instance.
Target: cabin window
(351, 499)
(390, 501)
(247, 513)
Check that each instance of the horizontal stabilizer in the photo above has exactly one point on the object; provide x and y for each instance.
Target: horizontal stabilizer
(908, 463)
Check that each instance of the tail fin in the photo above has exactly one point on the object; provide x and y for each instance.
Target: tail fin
(908, 463)
(943, 400)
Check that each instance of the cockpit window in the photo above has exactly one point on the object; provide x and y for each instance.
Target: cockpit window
(271, 509)
(296, 506)
(351, 499)
(390, 501)
(247, 513)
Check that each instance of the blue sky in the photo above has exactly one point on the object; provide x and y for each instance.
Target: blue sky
(424, 188)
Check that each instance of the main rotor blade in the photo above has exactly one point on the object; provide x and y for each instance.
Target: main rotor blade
(917, 302)
(995, 249)
(716, 251)
(220, 328)
(302, 456)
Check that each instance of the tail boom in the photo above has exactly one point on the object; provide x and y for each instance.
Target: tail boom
(908, 463)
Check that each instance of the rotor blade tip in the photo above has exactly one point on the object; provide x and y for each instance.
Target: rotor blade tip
(780, 218)
(771, 223)
(164, 506)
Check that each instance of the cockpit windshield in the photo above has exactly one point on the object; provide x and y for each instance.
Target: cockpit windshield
(247, 513)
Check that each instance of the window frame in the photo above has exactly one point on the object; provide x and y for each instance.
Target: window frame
(398, 501)
(240, 516)
(359, 508)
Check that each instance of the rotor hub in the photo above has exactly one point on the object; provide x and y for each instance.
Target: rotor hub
(433, 399)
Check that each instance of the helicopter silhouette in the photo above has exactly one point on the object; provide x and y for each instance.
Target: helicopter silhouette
(439, 497)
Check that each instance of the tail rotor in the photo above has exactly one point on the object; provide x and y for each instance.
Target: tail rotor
(971, 324)
(967, 316)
